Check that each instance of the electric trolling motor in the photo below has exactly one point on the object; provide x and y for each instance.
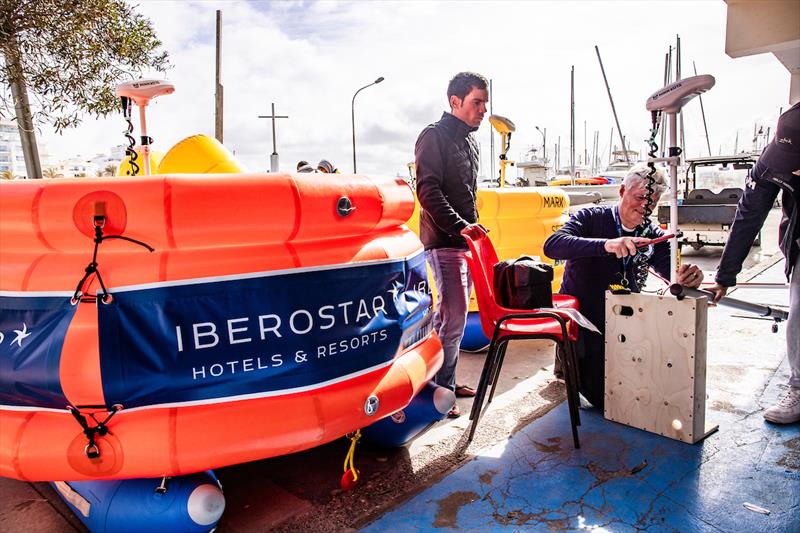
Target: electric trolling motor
(140, 92)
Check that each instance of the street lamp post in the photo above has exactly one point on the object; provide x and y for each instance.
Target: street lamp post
(544, 142)
(353, 117)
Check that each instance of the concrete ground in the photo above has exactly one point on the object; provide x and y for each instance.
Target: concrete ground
(300, 492)
(744, 477)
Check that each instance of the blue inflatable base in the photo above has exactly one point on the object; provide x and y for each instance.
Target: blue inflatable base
(430, 405)
(474, 340)
(193, 503)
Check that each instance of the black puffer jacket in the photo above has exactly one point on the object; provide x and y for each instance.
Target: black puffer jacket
(447, 170)
(763, 186)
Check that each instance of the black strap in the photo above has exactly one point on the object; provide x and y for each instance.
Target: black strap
(91, 268)
(100, 428)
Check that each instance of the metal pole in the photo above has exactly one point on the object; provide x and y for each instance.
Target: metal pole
(667, 80)
(572, 125)
(544, 146)
(673, 202)
(610, 99)
(218, 97)
(558, 155)
(273, 159)
(353, 117)
(491, 136)
(677, 78)
(762, 310)
(145, 140)
(703, 112)
(274, 147)
(585, 146)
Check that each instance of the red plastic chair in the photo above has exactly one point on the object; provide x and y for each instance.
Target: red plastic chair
(503, 325)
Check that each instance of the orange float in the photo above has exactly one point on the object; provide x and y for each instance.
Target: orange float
(275, 313)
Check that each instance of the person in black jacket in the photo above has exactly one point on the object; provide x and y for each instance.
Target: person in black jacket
(778, 169)
(599, 245)
(447, 173)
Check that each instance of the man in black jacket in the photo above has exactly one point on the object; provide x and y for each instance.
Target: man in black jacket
(778, 169)
(447, 170)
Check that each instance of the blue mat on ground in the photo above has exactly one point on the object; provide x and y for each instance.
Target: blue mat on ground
(622, 479)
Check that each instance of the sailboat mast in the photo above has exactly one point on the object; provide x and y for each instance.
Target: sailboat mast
(572, 124)
(703, 112)
(610, 99)
(667, 81)
(678, 78)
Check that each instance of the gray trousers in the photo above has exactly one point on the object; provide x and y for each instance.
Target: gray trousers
(454, 284)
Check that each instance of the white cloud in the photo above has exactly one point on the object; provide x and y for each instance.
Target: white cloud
(310, 57)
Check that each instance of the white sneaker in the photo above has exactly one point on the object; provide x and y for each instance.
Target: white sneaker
(786, 411)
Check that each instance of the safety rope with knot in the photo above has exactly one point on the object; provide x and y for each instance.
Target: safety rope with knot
(350, 477)
(640, 264)
(99, 223)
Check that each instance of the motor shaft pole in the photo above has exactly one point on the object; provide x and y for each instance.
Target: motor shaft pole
(680, 291)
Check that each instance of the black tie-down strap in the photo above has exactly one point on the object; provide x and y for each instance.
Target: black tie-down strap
(99, 222)
(100, 428)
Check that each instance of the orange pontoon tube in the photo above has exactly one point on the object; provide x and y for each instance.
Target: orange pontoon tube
(275, 313)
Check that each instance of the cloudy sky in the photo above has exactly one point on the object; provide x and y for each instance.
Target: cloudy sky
(310, 57)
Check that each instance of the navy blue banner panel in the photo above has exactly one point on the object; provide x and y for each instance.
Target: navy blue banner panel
(259, 335)
(32, 331)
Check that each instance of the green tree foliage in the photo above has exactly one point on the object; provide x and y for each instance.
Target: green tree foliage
(71, 54)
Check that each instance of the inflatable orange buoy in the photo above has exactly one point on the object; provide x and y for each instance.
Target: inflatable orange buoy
(274, 313)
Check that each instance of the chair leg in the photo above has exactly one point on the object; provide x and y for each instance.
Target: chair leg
(575, 374)
(572, 390)
(501, 356)
(480, 390)
(480, 393)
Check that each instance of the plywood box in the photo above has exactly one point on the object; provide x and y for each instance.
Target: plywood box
(656, 364)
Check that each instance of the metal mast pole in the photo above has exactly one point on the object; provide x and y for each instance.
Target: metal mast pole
(572, 125)
(585, 146)
(610, 99)
(703, 112)
(678, 78)
(667, 80)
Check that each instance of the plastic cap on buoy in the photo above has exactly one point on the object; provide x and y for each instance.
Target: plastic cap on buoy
(206, 504)
(444, 399)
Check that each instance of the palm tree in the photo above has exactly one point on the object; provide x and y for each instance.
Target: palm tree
(110, 170)
(6, 175)
(51, 173)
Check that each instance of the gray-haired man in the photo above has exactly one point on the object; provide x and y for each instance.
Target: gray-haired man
(600, 246)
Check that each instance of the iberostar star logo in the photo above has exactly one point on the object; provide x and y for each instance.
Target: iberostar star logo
(396, 286)
(21, 335)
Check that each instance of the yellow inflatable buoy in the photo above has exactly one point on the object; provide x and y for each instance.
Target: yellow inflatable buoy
(125, 168)
(200, 154)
